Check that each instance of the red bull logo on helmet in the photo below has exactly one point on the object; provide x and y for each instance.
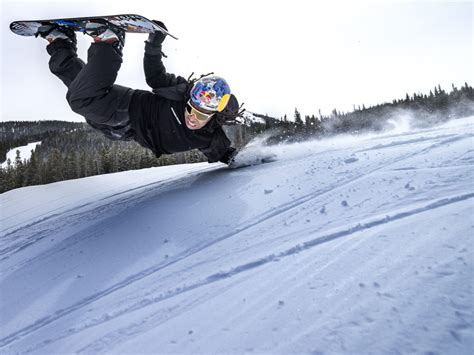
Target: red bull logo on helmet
(208, 92)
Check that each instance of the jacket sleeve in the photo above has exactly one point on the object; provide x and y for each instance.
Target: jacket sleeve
(219, 149)
(155, 71)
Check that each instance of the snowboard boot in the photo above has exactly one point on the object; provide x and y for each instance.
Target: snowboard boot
(103, 32)
(52, 33)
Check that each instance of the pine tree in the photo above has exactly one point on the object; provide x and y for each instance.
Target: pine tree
(105, 158)
(56, 166)
(298, 120)
(19, 170)
(3, 180)
(31, 176)
(69, 167)
(9, 176)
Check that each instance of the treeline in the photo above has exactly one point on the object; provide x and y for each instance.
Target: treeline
(18, 133)
(424, 110)
(82, 151)
(74, 150)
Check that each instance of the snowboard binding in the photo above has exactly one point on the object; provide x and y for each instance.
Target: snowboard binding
(105, 32)
(54, 32)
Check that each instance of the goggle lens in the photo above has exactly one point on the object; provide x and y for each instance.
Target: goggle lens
(199, 115)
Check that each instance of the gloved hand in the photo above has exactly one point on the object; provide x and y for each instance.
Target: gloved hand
(229, 156)
(157, 37)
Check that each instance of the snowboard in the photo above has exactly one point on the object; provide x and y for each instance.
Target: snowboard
(128, 22)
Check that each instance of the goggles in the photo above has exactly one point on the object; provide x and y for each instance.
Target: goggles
(201, 116)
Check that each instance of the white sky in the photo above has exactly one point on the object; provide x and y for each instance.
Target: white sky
(276, 55)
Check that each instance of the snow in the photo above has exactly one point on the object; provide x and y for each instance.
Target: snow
(25, 153)
(347, 245)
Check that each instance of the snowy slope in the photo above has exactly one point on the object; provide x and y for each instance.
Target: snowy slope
(25, 153)
(349, 245)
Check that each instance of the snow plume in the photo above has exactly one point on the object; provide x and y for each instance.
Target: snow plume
(400, 122)
(255, 152)
(259, 151)
(397, 119)
(279, 144)
(405, 120)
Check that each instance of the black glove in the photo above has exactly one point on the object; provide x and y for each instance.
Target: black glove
(229, 156)
(157, 37)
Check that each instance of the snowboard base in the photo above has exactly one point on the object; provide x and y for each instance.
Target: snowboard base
(128, 22)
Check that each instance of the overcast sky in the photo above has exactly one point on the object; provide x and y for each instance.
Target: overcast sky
(276, 55)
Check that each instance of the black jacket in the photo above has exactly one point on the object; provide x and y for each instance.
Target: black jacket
(158, 117)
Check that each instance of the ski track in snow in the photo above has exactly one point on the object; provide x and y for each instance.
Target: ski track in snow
(211, 278)
(214, 277)
(23, 237)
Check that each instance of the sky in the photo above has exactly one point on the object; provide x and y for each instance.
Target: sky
(276, 55)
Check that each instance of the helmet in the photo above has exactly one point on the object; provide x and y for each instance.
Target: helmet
(208, 92)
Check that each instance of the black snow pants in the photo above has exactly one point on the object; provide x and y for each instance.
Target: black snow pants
(91, 89)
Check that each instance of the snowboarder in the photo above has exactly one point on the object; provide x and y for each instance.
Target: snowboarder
(179, 114)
